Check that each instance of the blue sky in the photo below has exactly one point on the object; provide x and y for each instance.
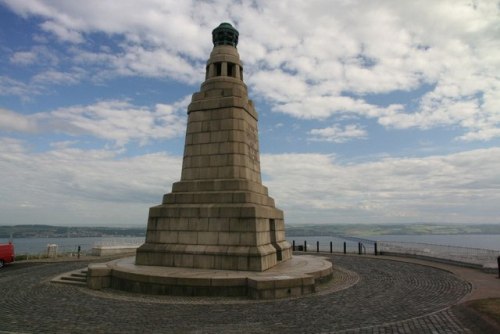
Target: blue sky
(370, 112)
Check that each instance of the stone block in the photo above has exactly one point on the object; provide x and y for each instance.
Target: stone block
(221, 114)
(189, 139)
(155, 211)
(209, 211)
(189, 212)
(282, 293)
(227, 172)
(233, 281)
(203, 261)
(195, 249)
(179, 224)
(152, 236)
(218, 224)
(99, 276)
(231, 212)
(263, 238)
(98, 270)
(261, 283)
(248, 212)
(229, 148)
(211, 125)
(168, 199)
(193, 127)
(228, 238)
(207, 173)
(280, 235)
(248, 238)
(189, 174)
(286, 281)
(262, 224)
(188, 237)
(219, 136)
(166, 260)
(255, 264)
(201, 138)
(198, 116)
(228, 262)
(208, 238)
(198, 224)
(168, 237)
(216, 249)
(218, 160)
(242, 225)
(237, 136)
(195, 281)
(238, 251)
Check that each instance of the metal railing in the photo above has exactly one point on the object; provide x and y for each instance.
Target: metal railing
(472, 257)
(483, 258)
(337, 246)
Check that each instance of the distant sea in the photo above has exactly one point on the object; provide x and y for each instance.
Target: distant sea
(39, 245)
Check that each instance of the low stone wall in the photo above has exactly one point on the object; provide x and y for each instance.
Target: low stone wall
(113, 250)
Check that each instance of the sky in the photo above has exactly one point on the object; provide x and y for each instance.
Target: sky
(370, 112)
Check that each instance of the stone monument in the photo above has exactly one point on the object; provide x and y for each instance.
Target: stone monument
(218, 233)
(219, 215)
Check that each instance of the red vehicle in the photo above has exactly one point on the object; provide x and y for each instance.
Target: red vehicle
(6, 253)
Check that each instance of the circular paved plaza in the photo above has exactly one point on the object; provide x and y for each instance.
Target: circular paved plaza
(386, 297)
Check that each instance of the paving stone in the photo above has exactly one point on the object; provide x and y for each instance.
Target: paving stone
(390, 297)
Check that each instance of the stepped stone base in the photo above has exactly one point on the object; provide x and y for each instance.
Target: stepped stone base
(239, 236)
(296, 277)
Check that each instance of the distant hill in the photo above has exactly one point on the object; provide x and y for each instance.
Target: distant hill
(401, 229)
(48, 231)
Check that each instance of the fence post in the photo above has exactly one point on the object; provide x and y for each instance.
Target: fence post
(498, 262)
(331, 247)
(293, 245)
(305, 246)
(345, 248)
(317, 246)
(359, 248)
(376, 250)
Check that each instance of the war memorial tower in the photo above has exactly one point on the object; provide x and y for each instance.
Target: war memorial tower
(218, 233)
(219, 215)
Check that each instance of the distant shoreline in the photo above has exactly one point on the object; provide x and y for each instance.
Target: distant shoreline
(48, 231)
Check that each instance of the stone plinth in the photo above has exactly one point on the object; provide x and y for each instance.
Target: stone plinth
(296, 277)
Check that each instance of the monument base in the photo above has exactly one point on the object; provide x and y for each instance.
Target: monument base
(295, 277)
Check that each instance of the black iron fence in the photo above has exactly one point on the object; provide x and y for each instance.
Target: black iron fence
(472, 257)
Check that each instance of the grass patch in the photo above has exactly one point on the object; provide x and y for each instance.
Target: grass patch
(489, 307)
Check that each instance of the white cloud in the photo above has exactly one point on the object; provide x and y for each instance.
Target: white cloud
(59, 78)
(12, 121)
(113, 120)
(337, 134)
(9, 86)
(121, 121)
(306, 60)
(70, 186)
(137, 60)
(103, 187)
(314, 188)
(62, 32)
(302, 51)
(23, 58)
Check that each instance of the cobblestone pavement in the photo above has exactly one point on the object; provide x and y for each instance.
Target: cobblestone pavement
(390, 297)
